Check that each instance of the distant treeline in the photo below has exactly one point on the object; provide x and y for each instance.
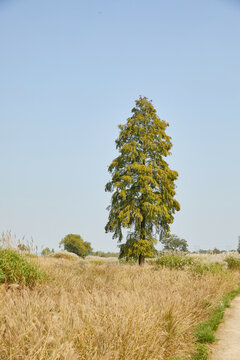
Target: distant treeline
(214, 251)
(104, 254)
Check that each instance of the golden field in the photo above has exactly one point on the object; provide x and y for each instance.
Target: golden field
(110, 311)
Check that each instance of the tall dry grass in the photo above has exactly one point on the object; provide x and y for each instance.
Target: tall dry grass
(103, 312)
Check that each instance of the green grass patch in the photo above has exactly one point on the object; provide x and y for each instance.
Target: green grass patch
(201, 352)
(173, 261)
(97, 262)
(215, 268)
(205, 333)
(16, 269)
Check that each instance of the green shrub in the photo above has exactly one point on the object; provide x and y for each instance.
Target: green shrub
(15, 268)
(175, 261)
(214, 268)
(75, 244)
(233, 263)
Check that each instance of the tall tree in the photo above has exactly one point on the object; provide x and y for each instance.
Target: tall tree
(142, 183)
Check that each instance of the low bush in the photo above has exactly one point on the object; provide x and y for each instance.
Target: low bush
(233, 262)
(15, 268)
(175, 261)
(64, 255)
(214, 268)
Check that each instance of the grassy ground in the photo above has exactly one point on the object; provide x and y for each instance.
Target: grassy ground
(108, 312)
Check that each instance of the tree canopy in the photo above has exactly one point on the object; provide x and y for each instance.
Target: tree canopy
(75, 244)
(173, 242)
(142, 183)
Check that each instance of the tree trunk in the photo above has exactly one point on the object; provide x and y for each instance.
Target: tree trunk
(141, 260)
(143, 236)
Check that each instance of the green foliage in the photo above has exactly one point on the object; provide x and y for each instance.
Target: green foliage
(97, 262)
(14, 268)
(75, 244)
(201, 352)
(104, 254)
(175, 261)
(173, 242)
(2, 276)
(46, 251)
(194, 265)
(133, 248)
(205, 330)
(205, 333)
(142, 183)
(233, 263)
(214, 268)
(128, 260)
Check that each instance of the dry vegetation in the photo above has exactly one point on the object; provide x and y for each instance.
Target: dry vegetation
(216, 258)
(111, 311)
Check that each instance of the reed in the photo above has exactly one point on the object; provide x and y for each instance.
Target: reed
(108, 312)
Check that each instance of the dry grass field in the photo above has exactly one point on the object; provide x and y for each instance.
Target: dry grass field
(110, 311)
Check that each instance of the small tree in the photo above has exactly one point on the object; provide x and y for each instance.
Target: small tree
(75, 244)
(46, 251)
(173, 242)
(142, 183)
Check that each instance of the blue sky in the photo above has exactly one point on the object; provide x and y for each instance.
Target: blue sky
(69, 74)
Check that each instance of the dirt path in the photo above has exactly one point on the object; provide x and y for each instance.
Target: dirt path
(228, 335)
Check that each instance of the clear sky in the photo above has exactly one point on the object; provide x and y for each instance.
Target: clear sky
(69, 74)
